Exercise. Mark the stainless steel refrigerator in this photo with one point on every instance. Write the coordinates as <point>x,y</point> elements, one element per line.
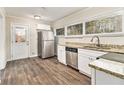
<point>45,44</point>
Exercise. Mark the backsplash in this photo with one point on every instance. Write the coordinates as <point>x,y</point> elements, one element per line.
<point>93,44</point>
<point>103,40</point>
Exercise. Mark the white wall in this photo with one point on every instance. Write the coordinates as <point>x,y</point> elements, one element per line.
<point>84,15</point>
<point>32,31</point>
<point>2,39</point>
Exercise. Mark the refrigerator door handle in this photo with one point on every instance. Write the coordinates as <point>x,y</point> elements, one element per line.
<point>42,49</point>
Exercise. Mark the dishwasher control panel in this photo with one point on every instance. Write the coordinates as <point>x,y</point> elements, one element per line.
<point>72,49</point>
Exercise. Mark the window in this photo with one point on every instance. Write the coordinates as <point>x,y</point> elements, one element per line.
<point>75,29</point>
<point>105,25</point>
<point>20,35</point>
<point>60,31</point>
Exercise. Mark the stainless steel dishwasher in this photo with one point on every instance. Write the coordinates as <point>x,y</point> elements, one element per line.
<point>72,57</point>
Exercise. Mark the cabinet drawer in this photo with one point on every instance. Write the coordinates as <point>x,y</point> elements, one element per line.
<point>62,48</point>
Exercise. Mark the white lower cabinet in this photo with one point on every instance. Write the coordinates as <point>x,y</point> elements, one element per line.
<point>102,78</point>
<point>61,54</point>
<point>84,58</point>
<point>83,64</point>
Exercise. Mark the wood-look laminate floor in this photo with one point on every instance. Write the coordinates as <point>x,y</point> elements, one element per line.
<point>35,71</point>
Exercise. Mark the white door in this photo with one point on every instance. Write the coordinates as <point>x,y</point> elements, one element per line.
<point>20,42</point>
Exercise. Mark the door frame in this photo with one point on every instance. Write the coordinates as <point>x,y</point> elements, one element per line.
<point>11,27</point>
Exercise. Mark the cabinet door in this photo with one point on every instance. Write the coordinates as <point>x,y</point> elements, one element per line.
<point>61,54</point>
<point>83,64</point>
<point>103,78</point>
<point>63,57</point>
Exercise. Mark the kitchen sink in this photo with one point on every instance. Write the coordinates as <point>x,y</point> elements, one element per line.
<point>97,47</point>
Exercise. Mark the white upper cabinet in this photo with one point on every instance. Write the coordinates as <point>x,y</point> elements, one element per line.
<point>43,27</point>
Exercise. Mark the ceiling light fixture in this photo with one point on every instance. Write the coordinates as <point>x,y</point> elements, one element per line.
<point>36,17</point>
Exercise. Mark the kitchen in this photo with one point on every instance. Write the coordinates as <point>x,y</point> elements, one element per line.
<point>105,48</point>
<point>86,47</point>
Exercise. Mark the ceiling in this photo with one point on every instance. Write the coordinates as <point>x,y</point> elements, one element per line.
<point>46,13</point>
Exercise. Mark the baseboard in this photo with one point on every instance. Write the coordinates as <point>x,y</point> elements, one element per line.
<point>8,60</point>
<point>33,55</point>
<point>3,65</point>
<point>84,73</point>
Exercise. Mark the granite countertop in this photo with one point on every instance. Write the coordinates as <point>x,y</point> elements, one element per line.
<point>105,48</point>
<point>111,67</point>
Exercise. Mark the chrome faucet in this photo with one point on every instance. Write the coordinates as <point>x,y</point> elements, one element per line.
<point>98,40</point>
